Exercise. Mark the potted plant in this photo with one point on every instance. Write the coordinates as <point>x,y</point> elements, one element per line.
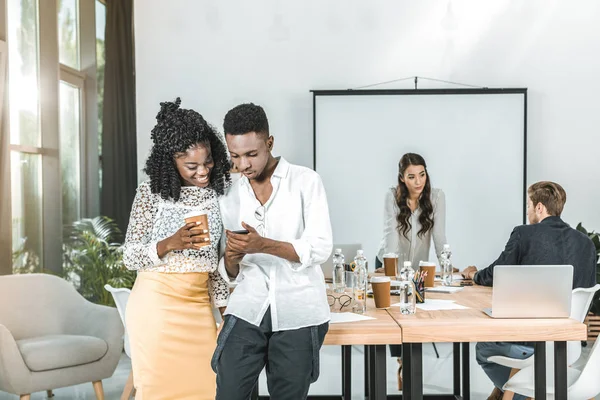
<point>93,257</point>
<point>593,318</point>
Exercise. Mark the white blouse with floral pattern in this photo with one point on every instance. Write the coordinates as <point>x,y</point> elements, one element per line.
<point>154,219</point>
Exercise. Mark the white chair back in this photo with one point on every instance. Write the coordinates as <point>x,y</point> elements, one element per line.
<point>587,386</point>
<point>580,304</point>
<point>121,296</point>
<point>581,301</point>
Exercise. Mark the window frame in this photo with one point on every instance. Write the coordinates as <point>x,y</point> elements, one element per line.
<point>51,72</point>
<point>77,79</point>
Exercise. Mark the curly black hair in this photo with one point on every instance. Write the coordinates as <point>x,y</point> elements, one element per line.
<point>176,131</point>
<point>246,118</point>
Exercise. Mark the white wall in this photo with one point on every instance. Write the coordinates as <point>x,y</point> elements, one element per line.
<point>217,54</point>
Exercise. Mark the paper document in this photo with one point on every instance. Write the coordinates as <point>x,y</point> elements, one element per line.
<point>440,301</point>
<point>444,289</point>
<point>343,317</point>
<point>434,304</point>
<point>437,304</point>
<point>455,277</point>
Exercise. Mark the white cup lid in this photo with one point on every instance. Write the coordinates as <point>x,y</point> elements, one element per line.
<point>380,279</point>
<point>390,255</point>
<point>194,214</point>
<point>426,264</point>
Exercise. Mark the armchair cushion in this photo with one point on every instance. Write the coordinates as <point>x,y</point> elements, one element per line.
<point>60,351</point>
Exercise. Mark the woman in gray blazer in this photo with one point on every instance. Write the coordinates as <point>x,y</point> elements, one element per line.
<point>413,214</point>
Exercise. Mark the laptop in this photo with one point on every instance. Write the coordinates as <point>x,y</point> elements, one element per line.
<point>531,291</point>
<point>349,252</point>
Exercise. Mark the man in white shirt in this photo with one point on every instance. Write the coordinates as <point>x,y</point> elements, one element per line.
<point>278,314</point>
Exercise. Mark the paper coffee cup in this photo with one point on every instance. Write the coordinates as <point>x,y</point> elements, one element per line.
<point>381,291</point>
<point>202,217</point>
<point>429,268</point>
<point>390,264</point>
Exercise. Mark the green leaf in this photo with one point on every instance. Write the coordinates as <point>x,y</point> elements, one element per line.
<point>93,256</point>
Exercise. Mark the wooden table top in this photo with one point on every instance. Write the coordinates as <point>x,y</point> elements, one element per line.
<point>381,330</point>
<point>473,325</point>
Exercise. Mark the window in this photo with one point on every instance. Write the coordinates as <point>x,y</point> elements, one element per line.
<point>26,198</point>
<point>71,128</point>
<point>70,109</point>
<point>25,132</point>
<point>68,33</point>
<point>50,145</point>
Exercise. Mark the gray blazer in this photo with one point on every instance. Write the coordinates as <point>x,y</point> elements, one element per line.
<point>415,248</point>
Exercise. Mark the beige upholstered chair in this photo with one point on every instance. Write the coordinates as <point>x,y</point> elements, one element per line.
<point>51,337</point>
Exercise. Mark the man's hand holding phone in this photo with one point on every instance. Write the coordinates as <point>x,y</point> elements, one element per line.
<point>245,243</point>
<point>235,250</point>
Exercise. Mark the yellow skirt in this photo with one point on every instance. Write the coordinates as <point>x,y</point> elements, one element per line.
<point>172,335</point>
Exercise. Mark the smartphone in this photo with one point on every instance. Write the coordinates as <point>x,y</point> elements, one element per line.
<point>241,232</point>
<point>461,284</point>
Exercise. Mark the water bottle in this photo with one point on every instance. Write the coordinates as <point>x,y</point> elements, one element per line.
<point>339,274</point>
<point>360,283</point>
<point>447,269</point>
<point>407,273</point>
<point>408,300</point>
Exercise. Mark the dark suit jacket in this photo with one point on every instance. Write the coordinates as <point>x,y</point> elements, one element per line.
<point>550,242</point>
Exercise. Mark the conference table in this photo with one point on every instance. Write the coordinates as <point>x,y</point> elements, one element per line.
<point>459,327</point>
<point>472,325</point>
<point>374,334</point>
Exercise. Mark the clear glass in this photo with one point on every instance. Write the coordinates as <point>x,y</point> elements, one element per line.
<point>401,258</point>
<point>349,281</point>
<point>68,33</point>
<point>23,69</point>
<point>350,284</point>
<point>70,163</point>
<point>339,278</point>
<point>446,267</point>
<point>408,300</point>
<point>100,62</point>
<point>360,284</point>
<point>26,198</point>
<point>339,272</point>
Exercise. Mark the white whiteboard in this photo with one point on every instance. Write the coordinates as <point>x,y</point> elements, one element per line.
<point>474,146</point>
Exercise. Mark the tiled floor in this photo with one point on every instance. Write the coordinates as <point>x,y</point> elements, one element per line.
<point>437,374</point>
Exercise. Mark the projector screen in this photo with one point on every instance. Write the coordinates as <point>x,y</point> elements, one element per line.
<point>473,141</point>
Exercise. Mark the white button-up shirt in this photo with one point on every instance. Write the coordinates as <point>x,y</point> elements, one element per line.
<point>297,212</point>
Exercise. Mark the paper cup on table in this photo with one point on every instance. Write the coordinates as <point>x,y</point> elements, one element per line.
<point>381,291</point>
<point>428,268</point>
<point>390,264</point>
<point>202,217</point>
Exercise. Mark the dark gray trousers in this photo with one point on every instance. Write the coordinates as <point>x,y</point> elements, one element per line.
<point>291,359</point>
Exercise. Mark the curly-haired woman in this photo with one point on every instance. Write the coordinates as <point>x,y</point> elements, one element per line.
<point>170,323</point>
<point>414,212</point>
